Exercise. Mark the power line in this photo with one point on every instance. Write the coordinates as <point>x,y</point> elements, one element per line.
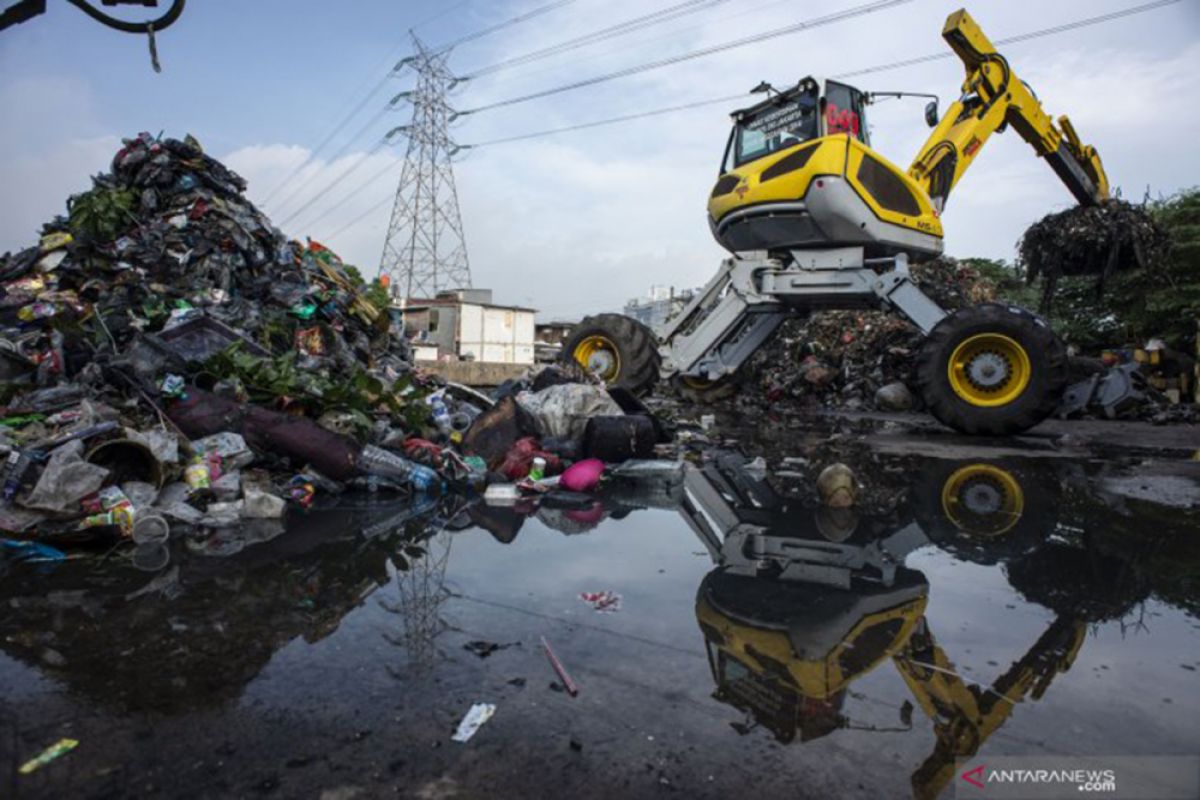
<point>537,134</point>
<point>619,29</point>
<point>353,193</point>
<point>829,19</point>
<point>671,34</point>
<point>375,207</point>
<point>375,89</point>
<point>610,121</point>
<point>362,159</point>
<point>1014,39</point>
<point>1021,37</point>
<point>296,190</point>
<point>353,112</point>
<point>439,14</point>
<point>534,12</point>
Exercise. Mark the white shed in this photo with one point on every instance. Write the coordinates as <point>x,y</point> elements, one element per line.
<point>466,324</point>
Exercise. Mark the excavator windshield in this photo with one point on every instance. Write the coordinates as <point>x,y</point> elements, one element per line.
<point>784,120</point>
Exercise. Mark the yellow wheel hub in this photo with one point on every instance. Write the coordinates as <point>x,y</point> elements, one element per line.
<point>698,384</point>
<point>982,499</point>
<point>989,369</point>
<point>598,355</point>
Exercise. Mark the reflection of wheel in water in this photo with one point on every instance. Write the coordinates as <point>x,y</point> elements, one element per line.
<point>983,500</point>
<point>985,511</point>
<point>700,390</point>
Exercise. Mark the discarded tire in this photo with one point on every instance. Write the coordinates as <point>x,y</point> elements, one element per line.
<point>992,369</point>
<point>620,350</point>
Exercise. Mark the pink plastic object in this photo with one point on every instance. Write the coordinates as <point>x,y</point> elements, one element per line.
<point>582,476</point>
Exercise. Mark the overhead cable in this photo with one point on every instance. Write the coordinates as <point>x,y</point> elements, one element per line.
<point>619,29</point>
<point>829,19</point>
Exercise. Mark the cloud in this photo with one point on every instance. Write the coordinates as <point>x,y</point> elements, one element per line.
<point>322,198</point>
<point>51,148</point>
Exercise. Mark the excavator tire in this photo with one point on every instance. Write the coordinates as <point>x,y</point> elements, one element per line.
<point>992,370</point>
<point>699,390</point>
<point>618,349</point>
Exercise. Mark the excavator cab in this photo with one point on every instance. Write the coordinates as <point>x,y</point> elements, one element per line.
<point>799,174</point>
<point>792,117</point>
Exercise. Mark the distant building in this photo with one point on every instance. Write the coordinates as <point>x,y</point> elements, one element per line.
<point>659,305</point>
<point>464,324</point>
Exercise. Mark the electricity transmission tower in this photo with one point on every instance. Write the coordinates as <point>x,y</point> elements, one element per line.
<point>425,250</point>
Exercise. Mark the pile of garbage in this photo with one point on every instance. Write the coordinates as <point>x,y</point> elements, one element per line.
<point>1097,240</point>
<point>859,359</point>
<point>173,367</point>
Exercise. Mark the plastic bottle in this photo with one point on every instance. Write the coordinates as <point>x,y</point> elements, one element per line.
<point>377,461</point>
<point>537,469</point>
<point>441,414</point>
<point>19,462</point>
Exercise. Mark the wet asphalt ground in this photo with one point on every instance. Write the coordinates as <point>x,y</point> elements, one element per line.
<point>1008,598</point>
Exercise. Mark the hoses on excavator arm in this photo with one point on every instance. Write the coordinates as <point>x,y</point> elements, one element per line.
<point>125,26</point>
<point>28,9</point>
<point>992,98</point>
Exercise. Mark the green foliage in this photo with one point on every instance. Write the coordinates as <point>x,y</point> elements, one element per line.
<point>378,295</point>
<point>354,274</point>
<point>375,292</point>
<point>1162,300</point>
<point>269,380</point>
<point>1010,286</point>
<point>101,214</point>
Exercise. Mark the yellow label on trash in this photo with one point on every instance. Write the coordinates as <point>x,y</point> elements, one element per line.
<point>55,241</point>
<point>196,476</point>
<point>123,516</point>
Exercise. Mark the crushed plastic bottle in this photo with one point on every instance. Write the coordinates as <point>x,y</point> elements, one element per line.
<point>439,411</point>
<point>377,461</point>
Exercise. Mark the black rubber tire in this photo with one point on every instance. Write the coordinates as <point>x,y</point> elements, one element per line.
<point>713,392</point>
<point>635,343</point>
<point>1048,363</point>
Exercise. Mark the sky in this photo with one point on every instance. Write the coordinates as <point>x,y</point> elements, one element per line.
<point>576,222</point>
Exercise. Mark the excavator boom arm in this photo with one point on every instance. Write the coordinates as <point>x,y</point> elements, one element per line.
<point>992,98</point>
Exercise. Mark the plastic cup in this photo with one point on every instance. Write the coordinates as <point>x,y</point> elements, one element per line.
<point>151,528</point>
<point>151,557</point>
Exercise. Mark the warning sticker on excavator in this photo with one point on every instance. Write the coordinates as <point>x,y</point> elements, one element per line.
<point>782,119</point>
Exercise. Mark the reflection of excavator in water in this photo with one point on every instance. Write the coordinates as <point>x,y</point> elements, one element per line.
<point>794,613</point>
<point>816,219</point>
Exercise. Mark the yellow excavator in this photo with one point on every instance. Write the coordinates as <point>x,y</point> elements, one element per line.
<point>816,219</point>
